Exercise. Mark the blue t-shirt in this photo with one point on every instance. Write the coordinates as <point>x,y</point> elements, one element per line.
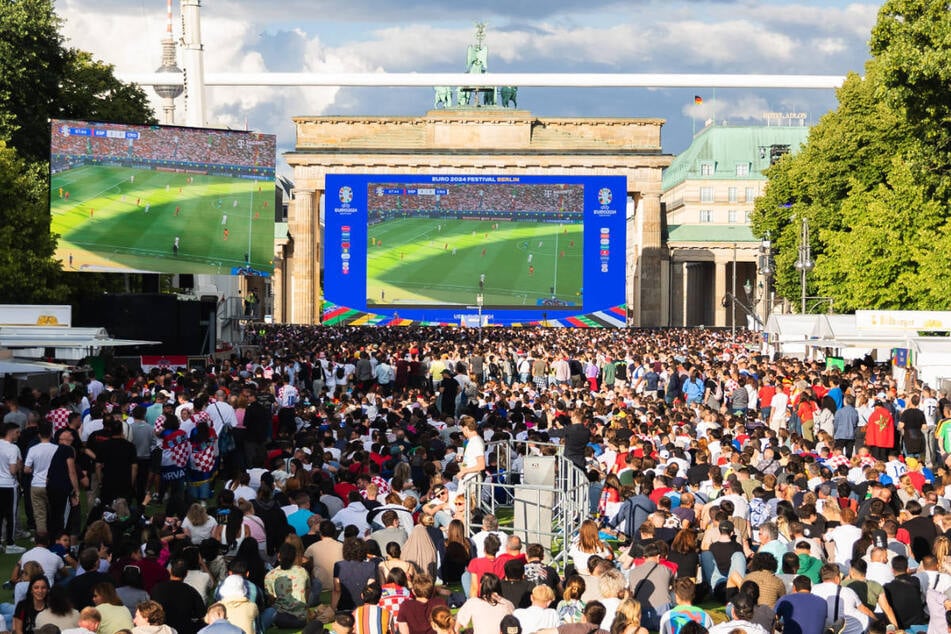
<point>802,613</point>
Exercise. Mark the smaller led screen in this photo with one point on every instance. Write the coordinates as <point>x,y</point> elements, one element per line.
<point>162,199</point>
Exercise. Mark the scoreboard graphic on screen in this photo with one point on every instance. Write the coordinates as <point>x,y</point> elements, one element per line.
<point>436,248</point>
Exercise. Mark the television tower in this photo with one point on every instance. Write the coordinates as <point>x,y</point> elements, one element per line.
<point>193,61</point>
<point>168,92</point>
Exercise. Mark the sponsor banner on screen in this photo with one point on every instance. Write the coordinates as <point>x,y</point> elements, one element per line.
<point>495,250</point>
<point>162,199</point>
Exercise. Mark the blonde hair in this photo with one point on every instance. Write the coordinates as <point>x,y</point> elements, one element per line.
<point>543,593</point>
<point>611,584</point>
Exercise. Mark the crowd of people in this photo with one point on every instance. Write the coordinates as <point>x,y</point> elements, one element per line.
<point>220,147</point>
<point>323,479</point>
<point>478,197</point>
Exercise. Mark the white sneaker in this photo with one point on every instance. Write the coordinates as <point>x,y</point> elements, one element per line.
<point>13,549</point>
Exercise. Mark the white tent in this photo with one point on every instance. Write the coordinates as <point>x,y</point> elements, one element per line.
<point>70,343</point>
<point>788,334</point>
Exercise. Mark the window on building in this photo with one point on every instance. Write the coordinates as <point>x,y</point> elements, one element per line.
<point>731,216</point>
<point>706,215</point>
<point>731,194</point>
<point>742,169</point>
<point>706,168</point>
<point>750,194</point>
<point>706,194</point>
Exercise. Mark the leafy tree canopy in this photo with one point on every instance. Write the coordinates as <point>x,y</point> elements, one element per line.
<point>873,178</point>
<point>41,79</point>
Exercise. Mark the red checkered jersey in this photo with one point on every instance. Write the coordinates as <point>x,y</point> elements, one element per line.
<point>58,418</point>
<point>176,450</point>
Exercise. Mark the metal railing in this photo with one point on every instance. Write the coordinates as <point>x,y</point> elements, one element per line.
<point>549,513</point>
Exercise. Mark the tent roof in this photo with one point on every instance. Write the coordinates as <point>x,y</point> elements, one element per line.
<point>792,326</point>
<point>62,337</point>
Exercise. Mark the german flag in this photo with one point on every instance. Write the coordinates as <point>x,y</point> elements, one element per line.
<point>697,99</point>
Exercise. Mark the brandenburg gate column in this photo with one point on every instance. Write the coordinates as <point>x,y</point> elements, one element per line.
<point>649,265</point>
<point>719,292</point>
<point>305,273</point>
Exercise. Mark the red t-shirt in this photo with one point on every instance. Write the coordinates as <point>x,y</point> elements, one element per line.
<point>499,568</point>
<point>479,566</point>
<point>657,494</point>
<point>766,394</point>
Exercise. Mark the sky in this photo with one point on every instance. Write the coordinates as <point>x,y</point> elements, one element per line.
<point>822,37</point>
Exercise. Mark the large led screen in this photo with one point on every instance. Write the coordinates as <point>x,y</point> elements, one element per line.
<point>162,199</point>
<point>432,248</point>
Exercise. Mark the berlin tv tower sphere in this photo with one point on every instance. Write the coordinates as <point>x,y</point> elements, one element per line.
<point>169,91</point>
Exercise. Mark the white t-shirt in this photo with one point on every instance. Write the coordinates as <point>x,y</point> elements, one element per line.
<point>855,621</point>
<point>9,455</point>
<point>844,537</point>
<point>475,448</point>
<point>534,618</point>
<point>199,533</point>
<point>38,458</point>
<point>50,562</point>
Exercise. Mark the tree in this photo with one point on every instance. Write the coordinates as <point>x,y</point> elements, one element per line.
<point>28,273</point>
<point>32,64</point>
<point>41,80</point>
<point>872,185</point>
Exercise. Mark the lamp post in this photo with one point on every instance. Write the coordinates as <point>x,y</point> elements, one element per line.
<point>766,270</point>
<point>804,262</point>
<point>480,300</point>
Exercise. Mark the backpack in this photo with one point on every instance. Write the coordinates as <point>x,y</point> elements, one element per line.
<point>340,372</point>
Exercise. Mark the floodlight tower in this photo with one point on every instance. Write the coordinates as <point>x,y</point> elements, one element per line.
<point>193,62</point>
<point>168,92</point>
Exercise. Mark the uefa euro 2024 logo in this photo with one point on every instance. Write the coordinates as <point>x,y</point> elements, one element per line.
<point>604,196</point>
<point>345,194</point>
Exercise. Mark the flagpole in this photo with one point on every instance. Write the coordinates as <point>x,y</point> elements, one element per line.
<point>714,117</point>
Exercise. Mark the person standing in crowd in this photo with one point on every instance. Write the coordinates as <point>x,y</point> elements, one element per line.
<point>10,463</point>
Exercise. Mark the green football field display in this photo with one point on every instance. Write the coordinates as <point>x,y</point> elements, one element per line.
<point>431,261</point>
<point>199,209</point>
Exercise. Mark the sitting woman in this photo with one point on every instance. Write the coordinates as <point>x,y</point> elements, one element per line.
<point>485,611</point>
<point>288,588</point>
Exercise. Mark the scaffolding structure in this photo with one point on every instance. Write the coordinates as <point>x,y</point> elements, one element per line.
<point>548,513</point>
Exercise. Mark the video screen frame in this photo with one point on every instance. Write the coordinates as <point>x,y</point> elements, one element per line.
<point>428,248</point>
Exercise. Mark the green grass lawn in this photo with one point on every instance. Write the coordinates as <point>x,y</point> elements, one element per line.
<point>427,261</point>
<point>104,226</point>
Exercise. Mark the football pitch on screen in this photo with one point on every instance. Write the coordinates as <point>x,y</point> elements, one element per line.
<point>118,219</point>
<point>432,261</point>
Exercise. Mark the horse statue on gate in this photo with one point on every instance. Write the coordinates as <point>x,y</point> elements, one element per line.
<point>508,95</point>
<point>443,97</point>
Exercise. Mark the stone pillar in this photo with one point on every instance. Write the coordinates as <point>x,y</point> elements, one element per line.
<point>685,298</point>
<point>719,292</point>
<point>648,222</point>
<point>277,287</point>
<point>301,226</point>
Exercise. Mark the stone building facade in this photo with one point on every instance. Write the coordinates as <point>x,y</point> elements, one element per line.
<point>475,141</point>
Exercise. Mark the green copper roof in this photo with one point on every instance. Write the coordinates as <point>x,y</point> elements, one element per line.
<point>723,147</point>
<point>710,233</point>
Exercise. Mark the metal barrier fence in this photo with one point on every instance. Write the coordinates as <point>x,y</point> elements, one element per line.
<point>547,497</point>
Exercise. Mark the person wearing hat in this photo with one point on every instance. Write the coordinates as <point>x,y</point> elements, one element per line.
<point>241,611</point>
<point>724,557</point>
